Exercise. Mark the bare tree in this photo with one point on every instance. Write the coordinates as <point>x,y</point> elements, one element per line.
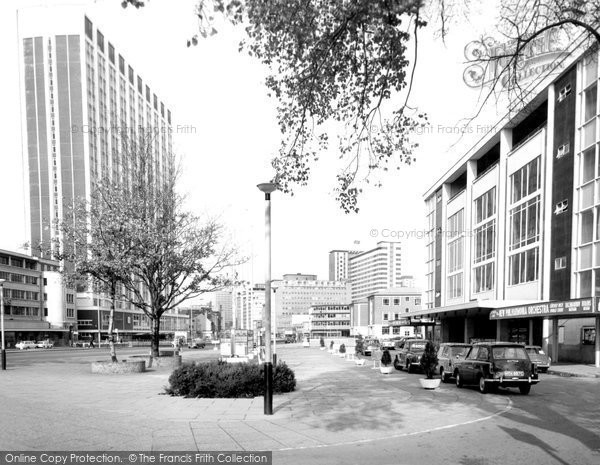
<point>135,241</point>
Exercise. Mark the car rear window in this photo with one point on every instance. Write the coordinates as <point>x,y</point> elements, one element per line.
<point>506,353</point>
<point>532,350</point>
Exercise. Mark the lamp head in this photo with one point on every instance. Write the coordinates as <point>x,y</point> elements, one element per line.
<point>267,187</point>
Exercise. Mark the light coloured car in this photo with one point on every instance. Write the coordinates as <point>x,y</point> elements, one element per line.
<point>44,344</point>
<point>23,345</point>
<point>537,356</point>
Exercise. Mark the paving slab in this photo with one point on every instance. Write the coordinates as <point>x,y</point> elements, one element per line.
<point>336,403</point>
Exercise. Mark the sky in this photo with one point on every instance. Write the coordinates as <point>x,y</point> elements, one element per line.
<point>226,134</point>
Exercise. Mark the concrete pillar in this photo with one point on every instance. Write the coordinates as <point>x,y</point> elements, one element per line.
<point>468,329</point>
<point>597,357</point>
<point>546,335</point>
<point>502,221</point>
<point>554,340</point>
<point>547,205</point>
<point>530,335</point>
<point>468,236</point>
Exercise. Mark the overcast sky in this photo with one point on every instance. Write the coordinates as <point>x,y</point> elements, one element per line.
<point>228,134</point>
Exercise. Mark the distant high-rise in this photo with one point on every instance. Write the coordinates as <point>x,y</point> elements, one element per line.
<point>339,264</point>
<point>223,305</point>
<point>368,271</point>
<point>376,269</point>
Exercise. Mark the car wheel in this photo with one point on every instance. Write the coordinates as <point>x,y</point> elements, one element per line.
<point>443,375</point>
<point>525,388</point>
<point>397,365</point>
<point>459,381</point>
<point>409,367</point>
<point>482,385</point>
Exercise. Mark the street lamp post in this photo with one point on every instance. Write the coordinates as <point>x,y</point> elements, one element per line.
<point>2,281</point>
<point>268,188</point>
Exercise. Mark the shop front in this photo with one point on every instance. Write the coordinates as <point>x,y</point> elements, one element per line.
<point>567,330</point>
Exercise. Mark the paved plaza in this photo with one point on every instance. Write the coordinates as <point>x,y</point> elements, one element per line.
<point>62,406</point>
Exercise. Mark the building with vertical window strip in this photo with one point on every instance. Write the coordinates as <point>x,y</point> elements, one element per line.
<point>513,243</point>
<point>83,104</point>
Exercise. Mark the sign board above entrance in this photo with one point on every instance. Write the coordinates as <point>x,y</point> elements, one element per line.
<point>569,308</point>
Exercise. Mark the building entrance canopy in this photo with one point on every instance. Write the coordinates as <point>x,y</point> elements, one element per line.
<point>574,308</point>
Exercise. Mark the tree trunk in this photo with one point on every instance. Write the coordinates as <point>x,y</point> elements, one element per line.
<point>155,336</point>
<point>111,322</point>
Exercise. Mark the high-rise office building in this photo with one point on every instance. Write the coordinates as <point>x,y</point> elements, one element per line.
<point>339,264</point>
<point>82,103</point>
<point>376,269</point>
<point>223,305</point>
<point>84,106</point>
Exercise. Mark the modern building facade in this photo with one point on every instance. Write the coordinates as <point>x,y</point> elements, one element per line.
<point>223,305</point>
<point>329,321</point>
<point>339,264</point>
<point>83,105</point>
<point>249,305</point>
<point>37,305</point>
<point>376,269</point>
<point>87,116</point>
<point>513,249</point>
<point>388,313</point>
<point>295,294</point>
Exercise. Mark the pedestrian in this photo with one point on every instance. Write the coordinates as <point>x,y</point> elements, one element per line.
<point>91,344</point>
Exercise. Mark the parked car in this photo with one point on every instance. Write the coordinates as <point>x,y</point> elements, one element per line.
<point>491,365</point>
<point>46,344</point>
<point>390,343</point>
<point>196,344</point>
<point>448,354</point>
<point>409,354</point>
<point>25,345</point>
<point>537,356</point>
<point>370,346</point>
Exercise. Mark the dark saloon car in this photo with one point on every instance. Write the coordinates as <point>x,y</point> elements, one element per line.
<point>448,354</point>
<point>196,344</point>
<point>490,365</point>
<point>537,356</point>
<point>409,354</point>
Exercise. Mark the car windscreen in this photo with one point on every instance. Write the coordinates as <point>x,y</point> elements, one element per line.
<point>509,353</point>
<point>460,351</point>
<point>418,346</point>
<point>532,350</point>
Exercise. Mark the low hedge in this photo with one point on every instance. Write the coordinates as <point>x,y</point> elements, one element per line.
<point>220,379</point>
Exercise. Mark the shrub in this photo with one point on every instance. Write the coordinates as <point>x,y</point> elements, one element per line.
<point>343,349</point>
<point>386,358</point>
<point>359,349</point>
<point>220,379</point>
<point>322,342</point>
<point>429,360</point>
